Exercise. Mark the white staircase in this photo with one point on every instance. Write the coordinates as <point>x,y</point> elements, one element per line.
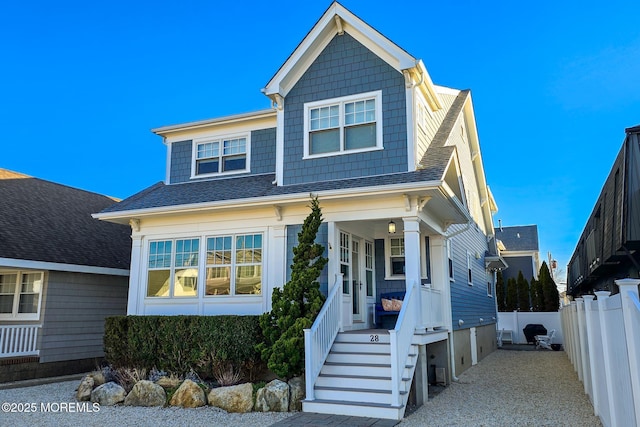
<point>356,377</point>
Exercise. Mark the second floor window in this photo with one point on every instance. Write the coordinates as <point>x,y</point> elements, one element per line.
<point>343,125</point>
<point>219,156</point>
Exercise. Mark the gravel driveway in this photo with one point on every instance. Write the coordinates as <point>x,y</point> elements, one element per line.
<point>507,388</point>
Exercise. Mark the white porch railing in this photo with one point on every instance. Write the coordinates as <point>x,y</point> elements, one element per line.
<point>432,308</point>
<point>602,340</point>
<point>19,340</point>
<point>319,339</point>
<point>401,338</point>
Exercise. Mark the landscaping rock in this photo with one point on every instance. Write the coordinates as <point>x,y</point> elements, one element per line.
<point>146,393</point>
<point>98,378</point>
<point>168,382</point>
<point>83,394</point>
<point>273,397</point>
<point>296,393</point>
<point>188,395</point>
<point>236,398</point>
<point>108,394</point>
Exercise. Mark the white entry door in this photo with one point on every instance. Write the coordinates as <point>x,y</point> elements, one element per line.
<point>356,266</point>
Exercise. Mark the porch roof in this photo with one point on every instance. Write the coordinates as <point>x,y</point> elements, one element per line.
<point>257,187</point>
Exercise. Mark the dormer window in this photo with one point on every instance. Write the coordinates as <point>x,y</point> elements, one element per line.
<point>344,125</point>
<point>220,155</point>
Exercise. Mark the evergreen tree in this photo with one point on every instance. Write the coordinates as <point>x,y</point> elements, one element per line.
<point>524,293</point>
<point>500,291</point>
<point>549,289</point>
<point>537,297</point>
<point>296,305</point>
<point>511,302</point>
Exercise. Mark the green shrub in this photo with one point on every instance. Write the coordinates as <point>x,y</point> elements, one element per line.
<point>177,344</point>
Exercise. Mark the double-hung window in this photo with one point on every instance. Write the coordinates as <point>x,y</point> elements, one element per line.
<point>221,155</point>
<point>234,265</point>
<point>20,294</point>
<point>343,125</point>
<point>173,268</point>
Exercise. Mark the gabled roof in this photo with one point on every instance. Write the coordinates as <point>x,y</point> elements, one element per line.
<point>518,238</point>
<point>335,21</point>
<point>47,222</point>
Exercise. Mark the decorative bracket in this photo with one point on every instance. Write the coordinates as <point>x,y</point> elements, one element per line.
<point>422,202</point>
<point>277,102</point>
<point>407,202</point>
<point>339,24</point>
<point>135,224</point>
<point>278,211</point>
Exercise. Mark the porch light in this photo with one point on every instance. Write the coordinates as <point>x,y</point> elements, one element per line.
<point>392,227</point>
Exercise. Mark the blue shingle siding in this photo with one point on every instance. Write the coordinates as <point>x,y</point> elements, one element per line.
<point>180,170</point>
<point>263,151</point>
<point>346,67</point>
<point>470,303</point>
<point>263,156</point>
<point>322,238</point>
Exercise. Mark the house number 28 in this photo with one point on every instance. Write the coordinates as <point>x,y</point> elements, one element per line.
<point>374,338</point>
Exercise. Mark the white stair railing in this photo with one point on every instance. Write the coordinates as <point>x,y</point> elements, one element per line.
<point>19,340</point>
<point>401,337</point>
<point>319,339</point>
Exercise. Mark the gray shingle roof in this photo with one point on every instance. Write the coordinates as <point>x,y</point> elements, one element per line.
<point>518,238</point>
<point>49,222</point>
<point>256,186</point>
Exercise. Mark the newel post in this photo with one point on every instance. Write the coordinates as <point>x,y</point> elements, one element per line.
<point>631,314</point>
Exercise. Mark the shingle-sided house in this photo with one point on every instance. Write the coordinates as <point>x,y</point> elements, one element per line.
<point>609,247</point>
<point>519,248</point>
<point>395,162</point>
<point>61,273</point>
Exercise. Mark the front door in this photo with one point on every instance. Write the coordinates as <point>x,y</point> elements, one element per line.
<point>356,266</point>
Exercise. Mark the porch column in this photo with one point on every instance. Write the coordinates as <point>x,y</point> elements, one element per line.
<point>135,282</point>
<point>277,256</point>
<point>440,275</point>
<point>411,250</point>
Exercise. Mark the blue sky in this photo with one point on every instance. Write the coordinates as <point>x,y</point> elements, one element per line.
<point>554,84</point>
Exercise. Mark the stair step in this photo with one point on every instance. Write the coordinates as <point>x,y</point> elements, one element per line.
<point>355,357</point>
<point>371,337</point>
<point>358,347</point>
<point>360,382</point>
<point>372,410</point>
<point>355,394</point>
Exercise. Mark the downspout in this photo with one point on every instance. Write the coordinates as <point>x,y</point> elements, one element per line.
<point>276,104</point>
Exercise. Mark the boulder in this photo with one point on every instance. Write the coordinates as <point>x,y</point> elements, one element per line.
<point>146,393</point>
<point>273,397</point>
<point>108,394</point>
<point>168,382</point>
<point>98,378</point>
<point>85,388</point>
<point>236,398</point>
<point>296,393</point>
<point>188,395</point>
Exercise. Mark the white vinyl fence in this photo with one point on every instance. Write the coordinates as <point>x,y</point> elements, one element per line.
<point>514,322</point>
<point>602,340</point>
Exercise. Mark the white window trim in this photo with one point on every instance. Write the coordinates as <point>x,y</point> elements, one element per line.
<point>469,269</point>
<point>14,315</point>
<point>220,138</point>
<point>387,259</point>
<point>202,266</point>
<point>172,268</point>
<point>377,95</point>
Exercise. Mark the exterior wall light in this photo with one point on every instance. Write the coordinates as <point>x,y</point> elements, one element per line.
<point>392,227</point>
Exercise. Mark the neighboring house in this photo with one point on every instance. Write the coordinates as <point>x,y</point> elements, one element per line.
<point>61,273</point>
<point>518,246</point>
<point>609,247</point>
<point>395,162</point>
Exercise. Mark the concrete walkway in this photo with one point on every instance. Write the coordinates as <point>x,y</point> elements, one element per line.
<point>507,388</point>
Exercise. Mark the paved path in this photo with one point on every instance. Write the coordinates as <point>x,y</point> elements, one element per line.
<point>507,388</point>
